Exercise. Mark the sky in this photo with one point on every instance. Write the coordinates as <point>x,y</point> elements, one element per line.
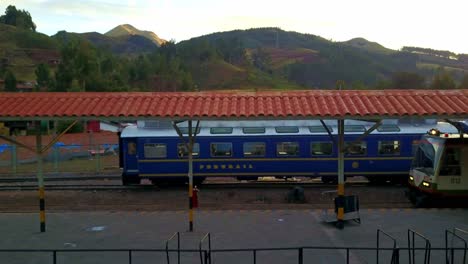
<point>432,24</point>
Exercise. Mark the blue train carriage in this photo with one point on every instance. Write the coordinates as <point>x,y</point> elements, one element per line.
<point>280,148</point>
<point>440,167</point>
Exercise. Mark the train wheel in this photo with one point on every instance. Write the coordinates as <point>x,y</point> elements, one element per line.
<point>377,180</point>
<point>198,181</point>
<point>399,180</point>
<point>331,179</point>
<point>126,180</point>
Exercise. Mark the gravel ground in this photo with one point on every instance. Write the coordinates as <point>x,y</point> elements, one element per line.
<point>175,198</point>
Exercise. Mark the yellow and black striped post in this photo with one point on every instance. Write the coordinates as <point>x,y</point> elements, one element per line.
<point>40,175</point>
<point>341,191</point>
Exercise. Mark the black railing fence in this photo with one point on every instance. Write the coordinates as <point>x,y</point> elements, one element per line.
<point>206,255</point>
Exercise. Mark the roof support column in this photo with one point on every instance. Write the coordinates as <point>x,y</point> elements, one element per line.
<point>40,176</point>
<point>190,175</point>
<point>189,145</point>
<point>341,182</point>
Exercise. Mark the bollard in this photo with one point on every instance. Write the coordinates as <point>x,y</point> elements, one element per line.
<point>195,197</point>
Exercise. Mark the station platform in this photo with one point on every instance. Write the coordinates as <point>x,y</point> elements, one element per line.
<point>229,229</point>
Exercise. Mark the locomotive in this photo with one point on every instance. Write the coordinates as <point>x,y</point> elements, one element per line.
<point>440,166</point>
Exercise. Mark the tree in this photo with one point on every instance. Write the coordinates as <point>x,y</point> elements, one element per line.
<point>407,80</point>
<point>464,82</point>
<point>262,60</point>
<point>42,76</point>
<point>63,78</point>
<point>79,62</point>
<point>443,80</point>
<point>382,84</point>
<point>10,82</point>
<point>19,18</point>
<point>358,85</point>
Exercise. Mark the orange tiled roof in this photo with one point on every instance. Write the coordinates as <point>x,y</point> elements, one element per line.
<point>290,104</point>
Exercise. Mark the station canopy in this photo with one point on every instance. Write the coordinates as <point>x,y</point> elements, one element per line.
<point>305,104</point>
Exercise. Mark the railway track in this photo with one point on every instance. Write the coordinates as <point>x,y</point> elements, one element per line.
<point>114,183</point>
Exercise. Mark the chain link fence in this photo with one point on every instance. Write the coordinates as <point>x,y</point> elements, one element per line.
<point>74,153</point>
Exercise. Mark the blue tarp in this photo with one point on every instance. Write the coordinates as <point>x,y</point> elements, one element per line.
<point>4,147</point>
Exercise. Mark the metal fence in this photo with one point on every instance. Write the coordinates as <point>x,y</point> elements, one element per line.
<point>204,254</point>
<point>60,158</point>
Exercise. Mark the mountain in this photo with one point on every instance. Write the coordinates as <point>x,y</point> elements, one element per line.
<point>128,30</point>
<point>258,58</point>
<point>362,43</point>
<point>129,44</point>
<point>311,61</point>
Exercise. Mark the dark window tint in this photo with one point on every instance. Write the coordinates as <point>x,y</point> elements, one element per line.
<point>254,149</point>
<point>356,148</point>
<point>319,129</point>
<point>354,128</point>
<point>287,129</point>
<point>253,130</point>
<point>221,130</point>
<point>221,149</point>
<point>321,148</point>
<point>287,149</point>
<point>182,151</point>
<point>389,147</point>
<point>155,150</point>
<point>388,128</point>
<point>185,130</point>
<point>451,163</point>
<point>131,148</point>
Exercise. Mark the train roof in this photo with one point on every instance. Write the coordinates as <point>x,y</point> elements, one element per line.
<point>281,127</point>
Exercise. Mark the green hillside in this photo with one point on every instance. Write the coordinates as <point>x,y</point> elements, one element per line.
<point>311,61</point>
<point>254,59</point>
<point>21,50</point>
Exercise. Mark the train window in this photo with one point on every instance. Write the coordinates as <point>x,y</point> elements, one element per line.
<point>131,148</point>
<point>424,157</point>
<point>354,128</point>
<point>321,148</point>
<point>221,130</point>
<point>287,129</point>
<point>182,151</point>
<point>389,147</point>
<point>253,130</point>
<point>254,149</point>
<point>356,148</point>
<point>319,129</point>
<point>221,149</point>
<point>388,128</point>
<point>450,165</point>
<point>185,130</point>
<point>155,150</point>
<point>287,149</point>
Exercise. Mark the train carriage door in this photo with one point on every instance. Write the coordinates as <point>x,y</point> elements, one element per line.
<point>131,160</point>
<point>453,173</point>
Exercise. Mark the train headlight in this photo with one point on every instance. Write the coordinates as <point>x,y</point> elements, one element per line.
<point>411,178</point>
<point>434,132</point>
<point>426,184</point>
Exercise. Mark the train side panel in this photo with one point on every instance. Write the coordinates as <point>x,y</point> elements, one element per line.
<point>304,163</point>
